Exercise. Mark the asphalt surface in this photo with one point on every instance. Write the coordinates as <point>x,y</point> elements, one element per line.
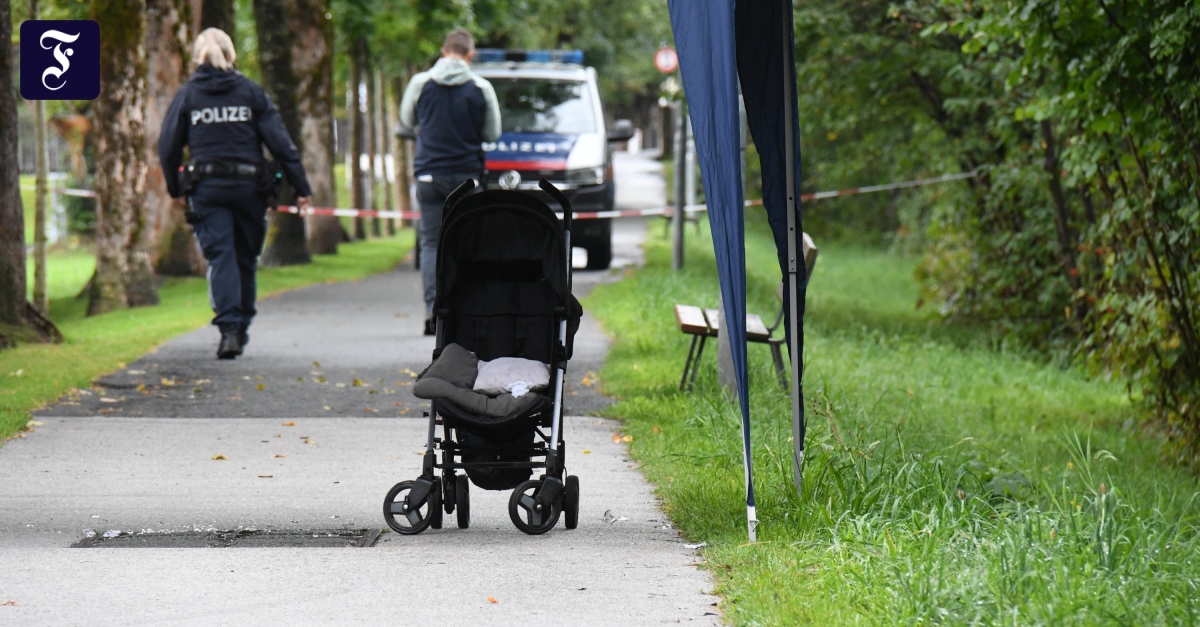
<point>302,437</point>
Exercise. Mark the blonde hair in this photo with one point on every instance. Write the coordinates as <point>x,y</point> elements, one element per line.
<point>214,46</point>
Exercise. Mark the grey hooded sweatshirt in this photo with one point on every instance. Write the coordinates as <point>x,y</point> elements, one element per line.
<point>454,111</point>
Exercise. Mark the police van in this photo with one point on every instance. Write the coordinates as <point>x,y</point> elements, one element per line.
<point>554,127</point>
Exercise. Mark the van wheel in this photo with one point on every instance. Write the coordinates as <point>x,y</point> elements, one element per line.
<point>599,255</point>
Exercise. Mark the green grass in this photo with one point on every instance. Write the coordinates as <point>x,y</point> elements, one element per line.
<point>32,375</point>
<point>949,479</point>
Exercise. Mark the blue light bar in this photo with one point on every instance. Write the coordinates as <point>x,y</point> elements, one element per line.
<point>497,55</point>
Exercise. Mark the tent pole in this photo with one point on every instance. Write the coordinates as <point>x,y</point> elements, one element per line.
<point>789,86</point>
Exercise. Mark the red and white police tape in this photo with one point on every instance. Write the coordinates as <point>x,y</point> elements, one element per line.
<point>586,215</point>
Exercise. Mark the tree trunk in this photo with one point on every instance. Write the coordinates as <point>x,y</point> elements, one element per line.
<point>312,65</point>
<point>384,144</point>
<point>218,14</point>
<point>275,20</point>
<point>40,299</point>
<point>373,147</point>
<point>175,252</point>
<point>124,277</point>
<point>1062,224</point>
<point>358,135</point>
<point>12,213</point>
<point>403,180</point>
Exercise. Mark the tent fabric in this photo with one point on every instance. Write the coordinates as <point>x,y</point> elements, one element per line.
<point>721,44</point>
<point>705,44</point>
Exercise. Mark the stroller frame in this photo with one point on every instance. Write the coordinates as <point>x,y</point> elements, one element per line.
<point>535,505</point>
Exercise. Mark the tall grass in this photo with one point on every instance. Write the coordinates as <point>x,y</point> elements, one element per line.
<point>950,478</point>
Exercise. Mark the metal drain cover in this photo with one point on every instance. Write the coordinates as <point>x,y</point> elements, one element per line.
<point>241,538</point>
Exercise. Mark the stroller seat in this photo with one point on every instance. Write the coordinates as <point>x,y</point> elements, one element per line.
<point>503,290</point>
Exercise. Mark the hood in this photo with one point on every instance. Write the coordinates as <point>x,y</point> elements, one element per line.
<point>450,72</point>
<point>210,80</point>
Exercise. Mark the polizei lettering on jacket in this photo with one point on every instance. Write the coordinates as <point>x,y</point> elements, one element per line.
<point>209,115</point>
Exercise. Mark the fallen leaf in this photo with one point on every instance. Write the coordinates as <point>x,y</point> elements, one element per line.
<point>307,441</point>
<point>373,411</point>
<point>12,603</point>
<point>627,438</point>
<point>616,437</point>
<point>341,385</point>
<point>328,408</point>
<point>372,391</point>
<point>316,364</point>
<point>266,476</point>
<point>235,397</point>
<point>260,387</point>
<point>491,600</point>
<point>34,423</point>
<point>587,451</point>
<point>357,383</point>
<point>290,423</point>
<point>218,457</point>
<point>278,456</point>
<point>167,382</point>
<point>656,429</point>
<point>105,399</point>
<point>404,383</point>
<point>135,371</point>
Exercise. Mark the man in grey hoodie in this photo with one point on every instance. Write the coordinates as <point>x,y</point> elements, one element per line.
<point>455,112</point>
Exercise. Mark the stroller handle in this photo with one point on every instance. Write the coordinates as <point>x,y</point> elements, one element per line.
<point>560,198</point>
<point>457,195</point>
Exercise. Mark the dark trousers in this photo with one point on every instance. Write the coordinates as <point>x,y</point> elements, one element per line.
<point>431,195</point>
<point>229,219</point>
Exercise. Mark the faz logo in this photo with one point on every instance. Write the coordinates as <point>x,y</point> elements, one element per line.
<point>60,60</point>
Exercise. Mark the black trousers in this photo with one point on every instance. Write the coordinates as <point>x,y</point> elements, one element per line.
<point>229,219</point>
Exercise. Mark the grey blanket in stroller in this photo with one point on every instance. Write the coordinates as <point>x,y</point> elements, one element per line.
<point>452,376</point>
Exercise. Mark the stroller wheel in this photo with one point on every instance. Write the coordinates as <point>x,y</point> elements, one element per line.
<point>571,502</point>
<point>435,505</point>
<point>462,495</point>
<point>527,513</point>
<point>403,516</point>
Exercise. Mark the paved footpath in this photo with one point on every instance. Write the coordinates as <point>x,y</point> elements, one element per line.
<point>311,427</point>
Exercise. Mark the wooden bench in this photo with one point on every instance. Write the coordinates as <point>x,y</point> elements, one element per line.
<point>702,324</point>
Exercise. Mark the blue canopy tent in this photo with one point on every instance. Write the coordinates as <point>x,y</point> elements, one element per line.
<point>720,44</point>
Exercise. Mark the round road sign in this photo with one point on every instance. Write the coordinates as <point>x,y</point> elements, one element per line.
<point>666,60</point>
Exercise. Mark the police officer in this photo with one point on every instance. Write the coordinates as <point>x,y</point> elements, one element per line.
<point>224,118</point>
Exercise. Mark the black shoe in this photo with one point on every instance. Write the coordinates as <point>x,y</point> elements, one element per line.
<point>243,338</point>
<point>430,327</point>
<point>230,346</point>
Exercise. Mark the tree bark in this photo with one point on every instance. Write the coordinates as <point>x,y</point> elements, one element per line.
<point>373,147</point>
<point>275,20</point>
<point>175,252</point>
<point>40,299</point>
<point>384,144</point>
<point>12,212</point>
<point>124,277</point>
<point>358,135</point>
<point>312,65</point>
<point>1062,223</point>
<point>218,14</point>
<point>403,180</point>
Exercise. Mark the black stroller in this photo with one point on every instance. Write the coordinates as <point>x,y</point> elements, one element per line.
<point>503,290</point>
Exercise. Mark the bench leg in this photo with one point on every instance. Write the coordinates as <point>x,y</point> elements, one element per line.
<point>696,364</point>
<point>777,355</point>
<point>687,366</point>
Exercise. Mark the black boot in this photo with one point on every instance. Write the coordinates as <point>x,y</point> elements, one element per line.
<point>243,337</point>
<point>430,326</point>
<point>230,346</point>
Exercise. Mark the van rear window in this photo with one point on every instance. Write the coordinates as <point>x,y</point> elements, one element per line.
<point>545,106</point>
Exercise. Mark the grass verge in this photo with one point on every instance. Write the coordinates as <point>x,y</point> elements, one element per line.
<point>949,479</point>
<point>32,375</point>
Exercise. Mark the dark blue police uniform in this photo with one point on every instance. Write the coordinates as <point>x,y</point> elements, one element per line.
<point>224,119</point>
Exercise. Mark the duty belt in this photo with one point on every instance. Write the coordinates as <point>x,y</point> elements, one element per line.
<point>240,170</point>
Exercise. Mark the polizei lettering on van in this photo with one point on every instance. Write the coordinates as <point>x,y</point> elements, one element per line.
<point>209,115</point>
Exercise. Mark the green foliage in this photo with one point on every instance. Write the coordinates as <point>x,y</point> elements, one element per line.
<point>949,480</point>
<point>1081,234</point>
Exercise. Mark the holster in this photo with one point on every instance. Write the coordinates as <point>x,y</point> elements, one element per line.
<point>187,180</point>
<point>270,182</point>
